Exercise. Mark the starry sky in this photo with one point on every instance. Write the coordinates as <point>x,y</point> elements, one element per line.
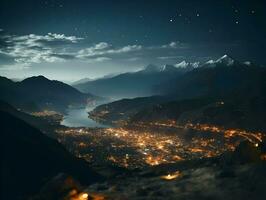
<point>73,39</point>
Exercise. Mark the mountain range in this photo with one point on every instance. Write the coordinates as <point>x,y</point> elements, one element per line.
<point>39,93</point>
<point>216,78</point>
<point>148,81</point>
<point>132,84</point>
<point>222,92</point>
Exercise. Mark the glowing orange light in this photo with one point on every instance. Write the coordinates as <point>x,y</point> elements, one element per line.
<point>171,176</point>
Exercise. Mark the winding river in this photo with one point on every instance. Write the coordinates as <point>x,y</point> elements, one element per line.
<point>78,117</point>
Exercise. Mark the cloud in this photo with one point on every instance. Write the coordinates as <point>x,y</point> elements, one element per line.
<point>103,48</point>
<point>27,50</point>
<point>170,57</point>
<point>101,45</point>
<point>98,59</point>
<point>14,67</point>
<point>132,59</point>
<point>33,39</point>
<point>175,45</point>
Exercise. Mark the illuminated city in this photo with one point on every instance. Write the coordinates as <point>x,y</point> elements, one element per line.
<point>132,100</point>
<point>152,144</point>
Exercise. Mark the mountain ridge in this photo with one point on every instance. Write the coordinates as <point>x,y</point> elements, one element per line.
<point>38,93</point>
<point>242,87</point>
<point>132,84</point>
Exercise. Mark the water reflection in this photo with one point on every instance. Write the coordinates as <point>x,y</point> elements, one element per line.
<point>78,117</point>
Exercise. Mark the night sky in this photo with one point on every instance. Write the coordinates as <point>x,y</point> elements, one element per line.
<point>73,39</point>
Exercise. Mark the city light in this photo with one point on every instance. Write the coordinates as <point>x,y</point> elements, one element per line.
<point>172,176</point>
<point>152,144</point>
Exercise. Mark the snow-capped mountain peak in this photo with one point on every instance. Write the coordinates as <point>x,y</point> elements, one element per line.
<point>152,68</point>
<point>168,68</point>
<point>185,64</point>
<point>248,63</point>
<point>227,60</point>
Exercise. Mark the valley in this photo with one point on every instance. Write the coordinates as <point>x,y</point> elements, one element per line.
<point>132,100</point>
<point>136,145</point>
<point>144,145</point>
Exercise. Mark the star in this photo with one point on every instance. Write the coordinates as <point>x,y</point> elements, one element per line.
<point>171,20</point>
<point>253,11</point>
<point>198,14</point>
<point>237,22</point>
<point>187,20</point>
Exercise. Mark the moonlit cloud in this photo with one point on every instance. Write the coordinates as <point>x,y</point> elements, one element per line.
<point>39,39</point>
<point>28,49</point>
<point>170,57</point>
<point>132,59</point>
<point>25,51</point>
<point>106,49</point>
<point>175,45</point>
<point>14,67</point>
<point>101,45</point>
<point>98,59</point>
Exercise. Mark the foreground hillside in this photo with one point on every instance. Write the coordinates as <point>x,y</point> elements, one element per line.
<point>236,175</point>
<point>29,159</point>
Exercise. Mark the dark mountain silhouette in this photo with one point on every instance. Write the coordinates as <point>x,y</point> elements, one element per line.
<point>37,93</point>
<point>123,109</point>
<point>226,92</point>
<point>217,78</point>
<point>245,112</point>
<point>29,159</point>
<point>80,81</point>
<point>46,125</point>
<point>134,84</point>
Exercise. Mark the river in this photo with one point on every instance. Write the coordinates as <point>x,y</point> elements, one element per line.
<point>78,117</point>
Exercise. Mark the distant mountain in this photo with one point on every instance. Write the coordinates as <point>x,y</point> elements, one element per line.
<point>124,109</point>
<point>29,159</point>
<point>223,61</point>
<point>244,112</point>
<point>196,95</point>
<point>217,78</point>
<point>134,84</point>
<point>187,65</point>
<point>83,80</point>
<point>38,92</point>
